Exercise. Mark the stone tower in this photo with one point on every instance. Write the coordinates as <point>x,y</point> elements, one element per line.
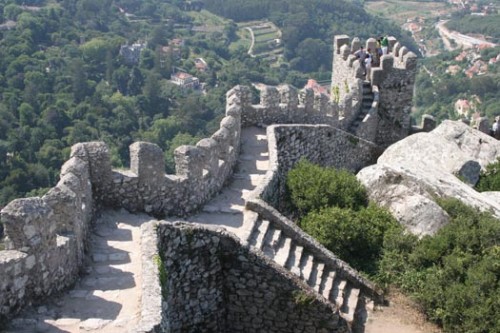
<point>382,99</point>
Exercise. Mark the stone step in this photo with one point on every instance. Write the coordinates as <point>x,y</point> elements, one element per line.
<point>328,285</point>
<point>261,233</point>
<point>348,308</point>
<point>284,251</point>
<point>306,266</point>
<point>108,282</point>
<point>318,276</point>
<point>250,219</point>
<point>271,237</point>
<point>276,239</point>
<point>338,292</point>
<point>293,261</point>
<point>110,257</point>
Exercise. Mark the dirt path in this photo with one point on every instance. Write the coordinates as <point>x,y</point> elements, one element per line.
<point>400,317</point>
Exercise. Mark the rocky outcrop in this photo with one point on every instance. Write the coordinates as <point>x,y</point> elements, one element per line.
<point>443,163</point>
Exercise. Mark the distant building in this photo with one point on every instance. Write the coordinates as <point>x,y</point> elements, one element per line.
<point>453,69</point>
<point>478,68</point>
<point>185,80</point>
<point>200,64</point>
<point>316,87</point>
<point>467,108</point>
<point>463,108</point>
<point>462,56</point>
<point>174,48</point>
<point>132,53</point>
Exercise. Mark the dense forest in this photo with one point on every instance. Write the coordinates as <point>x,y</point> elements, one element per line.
<point>63,80</point>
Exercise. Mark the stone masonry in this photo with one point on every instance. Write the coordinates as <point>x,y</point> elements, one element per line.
<point>214,284</point>
<point>393,80</point>
<point>47,236</point>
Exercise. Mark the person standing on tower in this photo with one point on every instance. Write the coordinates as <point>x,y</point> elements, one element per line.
<point>385,45</point>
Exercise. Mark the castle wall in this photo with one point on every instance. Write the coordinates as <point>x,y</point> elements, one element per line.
<point>287,105</point>
<point>215,284</point>
<point>46,238</point>
<point>320,144</point>
<point>394,79</point>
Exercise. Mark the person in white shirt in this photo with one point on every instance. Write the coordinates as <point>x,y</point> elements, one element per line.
<point>368,64</point>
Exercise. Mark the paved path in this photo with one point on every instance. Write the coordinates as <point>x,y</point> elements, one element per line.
<point>228,208</point>
<point>106,299</point>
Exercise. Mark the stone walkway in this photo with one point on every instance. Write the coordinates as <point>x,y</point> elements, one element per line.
<point>228,208</point>
<point>107,298</point>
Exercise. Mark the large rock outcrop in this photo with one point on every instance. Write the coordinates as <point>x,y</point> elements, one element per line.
<point>446,162</point>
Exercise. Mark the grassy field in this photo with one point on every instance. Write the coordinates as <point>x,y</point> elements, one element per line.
<point>400,10</point>
<point>206,18</point>
<point>264,32</point>
<point>244,40</point>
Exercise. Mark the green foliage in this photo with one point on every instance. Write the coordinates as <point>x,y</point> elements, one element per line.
<point>489,180</point>
<point>312,187</point>
<point>454,275</point>
<point>302,299</point>
<point>355,236</point>
<point>485,25</point>
<point>335,211</point>
<point>163,275</point>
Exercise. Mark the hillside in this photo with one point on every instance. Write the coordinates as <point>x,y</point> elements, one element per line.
<point>470,75</point>
<point>307,27</point>
<point>69,73</point>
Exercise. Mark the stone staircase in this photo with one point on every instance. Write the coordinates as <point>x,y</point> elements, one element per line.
<point>330,282</point>
<point>366,105</point>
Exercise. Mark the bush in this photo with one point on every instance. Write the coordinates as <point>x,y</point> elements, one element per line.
<point>312,187</point>
<point>354,236</point>
<point>490,179</point>
<point>454,275</point>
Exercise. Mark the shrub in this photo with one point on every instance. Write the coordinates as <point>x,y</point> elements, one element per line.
<point>489,180</point>
<point>312,187</point>
<point>355,236</point>
<point>455,274</point>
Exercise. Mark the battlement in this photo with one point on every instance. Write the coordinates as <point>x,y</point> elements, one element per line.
<point>286,104</point>
<point>393,79</point>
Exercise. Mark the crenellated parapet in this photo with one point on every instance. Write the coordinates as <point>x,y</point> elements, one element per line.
<point>394,78</point>
<point>46,236</point>
<point>286,104</point>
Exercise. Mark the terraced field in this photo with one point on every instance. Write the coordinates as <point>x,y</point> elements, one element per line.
<point>265,40</point>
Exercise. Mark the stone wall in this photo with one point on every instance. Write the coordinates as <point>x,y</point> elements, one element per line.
<point>286,104</point>
<point>201,170</point>
<point>320,144</point>
<point>215,284</point>
<point>394,79</point>
<point>46,238</point>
